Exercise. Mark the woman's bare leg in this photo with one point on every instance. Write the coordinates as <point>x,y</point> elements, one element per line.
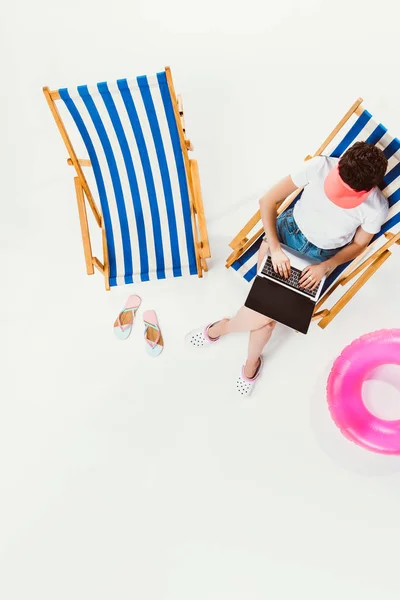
<point>259,326</point>
<point>245,319</point>
<point>258,340</point>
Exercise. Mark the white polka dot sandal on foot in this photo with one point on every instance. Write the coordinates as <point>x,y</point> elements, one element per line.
<point>199,338</point>
<point>245,385</point>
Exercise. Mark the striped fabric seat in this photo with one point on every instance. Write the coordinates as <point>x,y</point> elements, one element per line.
<point>358,128</point>
<point>130,133</point>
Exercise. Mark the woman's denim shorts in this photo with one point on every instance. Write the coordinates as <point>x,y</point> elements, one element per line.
<point>290,235</point>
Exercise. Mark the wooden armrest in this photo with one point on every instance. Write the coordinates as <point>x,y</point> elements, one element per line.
<point>84,162</point>
<point>243,233</point>
<point>389,235</point>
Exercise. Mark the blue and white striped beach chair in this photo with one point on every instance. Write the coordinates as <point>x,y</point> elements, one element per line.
<point>151,214</point>
<point>356,125</point>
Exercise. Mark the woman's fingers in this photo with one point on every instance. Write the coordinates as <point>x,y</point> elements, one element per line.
<point>309,284</point>
<point>282,268</point>
<point>308,280</point>
<point>304,277</point>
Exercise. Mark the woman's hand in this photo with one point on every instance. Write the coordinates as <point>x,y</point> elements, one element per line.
<point>312,275</point>
<point>280,262</point>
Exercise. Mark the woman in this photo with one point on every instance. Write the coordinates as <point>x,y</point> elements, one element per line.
<point>340,210</point>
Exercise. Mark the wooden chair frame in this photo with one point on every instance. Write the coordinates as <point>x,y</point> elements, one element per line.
<point>364,269</point>
<point>83,192</point>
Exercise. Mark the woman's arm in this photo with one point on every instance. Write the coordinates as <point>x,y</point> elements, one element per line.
<point>269,204</point>
<point>317,272</point>
<point>359,244</point>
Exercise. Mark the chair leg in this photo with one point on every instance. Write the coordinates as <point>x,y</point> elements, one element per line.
<point>199,209</point>
<point>199,261</point>
<point>105,258</point>
<point>87,247</point>
<point>204,265</point>
<point>347,296</point>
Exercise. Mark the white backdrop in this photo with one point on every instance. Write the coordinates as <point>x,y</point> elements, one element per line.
<point>125,478</point>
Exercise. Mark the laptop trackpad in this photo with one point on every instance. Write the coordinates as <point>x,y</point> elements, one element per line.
<point>281,304</point>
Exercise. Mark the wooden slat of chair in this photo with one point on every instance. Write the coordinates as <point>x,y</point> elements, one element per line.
<point>243,233</point>
<point>84,162</point>
<point>99,265</point>
<point>286,203</point>
<point>188,143</point>
<point>347,274</point>
<point>199,209</point>
<point>87,246</point>
<point>357,285</point>
<point>327,294</point>
<point>389,235</point>
<point>320,314</point>
<point>347,271</point>
<point>394,239</point>
<point>237,253</point>
<point>204,264</point>
<point>232,255</point>
<point>105,257</point>
<point>91,261</point>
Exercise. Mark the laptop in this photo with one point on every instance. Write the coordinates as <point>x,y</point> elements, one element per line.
<point>283,299</point>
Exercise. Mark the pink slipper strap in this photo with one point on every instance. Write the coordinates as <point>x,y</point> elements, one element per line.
<point>153,326</point>
<point>124,327</point>
<point>256,376</point>
<point>205,333</point>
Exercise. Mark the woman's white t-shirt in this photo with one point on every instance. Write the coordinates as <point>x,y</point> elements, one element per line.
<point>323,223</point>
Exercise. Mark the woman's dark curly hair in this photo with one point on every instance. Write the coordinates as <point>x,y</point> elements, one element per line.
<point>362,166</point>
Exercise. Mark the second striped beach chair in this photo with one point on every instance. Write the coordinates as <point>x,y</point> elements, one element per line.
<point>146,195</point>
<point>357,124</point>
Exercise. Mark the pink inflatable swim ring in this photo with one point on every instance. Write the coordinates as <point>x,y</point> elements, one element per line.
<point>345,382</point>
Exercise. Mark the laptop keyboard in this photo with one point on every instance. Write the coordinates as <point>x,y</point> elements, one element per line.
<point>292,281</point>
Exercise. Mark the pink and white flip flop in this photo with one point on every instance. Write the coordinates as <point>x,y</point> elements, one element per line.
<point>152,334</point>
<point>125,319</point>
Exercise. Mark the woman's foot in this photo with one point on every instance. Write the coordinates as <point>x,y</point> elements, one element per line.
<point>245,384</point>
<point>218,329</point>
<point>199,338</point>
<point>251,367</point>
